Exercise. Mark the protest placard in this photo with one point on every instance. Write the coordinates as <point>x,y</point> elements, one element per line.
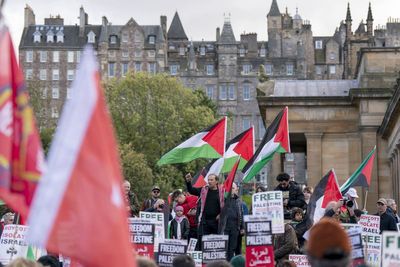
<point>13,242</point>
<point>299,260</point>
<point>357,248</point>
<point>398,227</point>
<point>168,249</point>
<point>373,245</point>
<point>259,249</point>
<point>390,249</point>
<point>270,204</point>
<point>142,235</point>
<point>158,217</point>
<point>192,244</point>
<point>197,256</point>
<point>348,226</point>
<point>214,248</point>
<point>370,224</point>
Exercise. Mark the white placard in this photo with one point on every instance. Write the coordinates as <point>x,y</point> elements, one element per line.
<point>270,204</point>
<point>370,224</point>
<point>373,245</point>
<point>398,227</point>
<point>192,244</point>
<point>299,260</point>
<point>390,249</point>
<point>13,243</point>
<point>158,219</point>
<point>197,256</point>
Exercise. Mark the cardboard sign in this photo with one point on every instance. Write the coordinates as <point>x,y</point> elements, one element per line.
<point>357,248</point>
<point>259,249</point>
<point>370,224</point>
<point>373,245</point>
<point>142,235</point>
<point>299,260</point>
<point>168,250</point>
<point>390,249</point>
<point>13,243</point>
<point>197,256</point>
<point>270,204</point>
<point>158,218</point>
<point>214,248</point>
<point>192,244</point>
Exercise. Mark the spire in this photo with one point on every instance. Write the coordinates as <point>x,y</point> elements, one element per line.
<point>176,30</point>
<point>274,11</point>
<point>369,16</point>
<point>227,36</point>
<point>348,15</point>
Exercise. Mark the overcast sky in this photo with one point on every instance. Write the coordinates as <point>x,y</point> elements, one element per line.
<point>200,18</point>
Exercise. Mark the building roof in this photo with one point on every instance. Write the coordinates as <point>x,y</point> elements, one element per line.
<point>176,30</point>
<point>318,88</point>
<point>274,10</point>
<point>227,36</point>
<point>369,16</point>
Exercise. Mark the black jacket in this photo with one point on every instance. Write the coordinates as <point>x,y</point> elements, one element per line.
<point>231,215</point>
<point>185,227</point>
<point>296,196</point>
<point>388,223</point>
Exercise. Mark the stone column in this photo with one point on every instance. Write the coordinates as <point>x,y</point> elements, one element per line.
<point>314,158</point>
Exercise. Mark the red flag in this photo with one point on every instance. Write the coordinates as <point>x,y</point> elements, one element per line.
<point>231,177</point>
<point>79,209</point>
<point>21,154</point>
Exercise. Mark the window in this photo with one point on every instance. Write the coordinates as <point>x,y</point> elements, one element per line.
<point>43,74</point>
<point>36,37</point>
<point>210,91</point>
<point>111,69</point>
<point>223,92</point>
<point>70,56</point>
<point>91,37</point>
<point>332,56</point>
<point>318,70</point>
<point>318,44</point>
<point>78,56</point>
<point>43,56</point>
<point>261,128</point>
<point>44,93</point>
<point>138,66</point>
<point>231,92</point>
<point>289,69</point>
<point>202,51</point>
<point>332,69</point>
<point>113,39</point>
<point>151,53</point>
<point>29,56</point>
<point>210,69</point>
<point>245,123</point>
<point>181,51</point>
<point>125,54</point>
<point>124,68</point>
<point>111,53</point>
<point>125,37</point>
<point>60,37</point>
<point>268,69</point>
<point>262,52</point>
<point>56,56</point>
<point>173,69</point>
<point>151,67</point>
<point>69,93</point>
<point>241,52</point>
<point>56,75</point>
<point>50,37</point>
<point>28,74</point>
<point>54,112</point>
<point>246,91</point>
<point>138,53</point>
<point>55,93</point>
<point>70,75</point>
<point>152,39</point>
<point>246,69</point>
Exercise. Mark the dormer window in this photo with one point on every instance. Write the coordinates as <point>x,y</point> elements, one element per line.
<point>50,37</point>
<point>152,39</point>
<point>36,37</point>
<point>181,51</point>
<point>60,37</point>
<point>202,50</point>
<point>113,39</point>
<point>318,44</point>
<point>241,52</point>
<point>262,52</point>
<point>91,37</point>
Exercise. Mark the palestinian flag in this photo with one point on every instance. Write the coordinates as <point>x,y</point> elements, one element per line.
<point>242,144</point>
<point>327,190</point>
<point>275,140</point>
<point>229,180</point>
<point>362,176</point>
<point>214,167</point>
<point>209,143</point>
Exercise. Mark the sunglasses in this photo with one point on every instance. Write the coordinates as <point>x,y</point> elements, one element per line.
<point>156,192</point>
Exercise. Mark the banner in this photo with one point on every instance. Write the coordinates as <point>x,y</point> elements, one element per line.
<point>214,248</point>
<point>192,244</point>
<point>159,234</point>
<point>197,256</point>
<point>299,260</point>
<point>390,249</point>
<point>13,243</point>
<point>168,250</point>
<point>357,249</point>
<point>270,204</point>
<point>370,224</point>
<point>142,235</point>
<point>259,249</point>
<point>373,245</point>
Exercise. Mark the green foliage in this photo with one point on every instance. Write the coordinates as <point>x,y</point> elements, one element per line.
<point>46,135</point>
<point>153,114</point>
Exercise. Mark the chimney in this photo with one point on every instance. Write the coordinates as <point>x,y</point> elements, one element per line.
<point>83,21</point>
<point>218,33</point>
<point>163,23</point>
<point>29,18</point>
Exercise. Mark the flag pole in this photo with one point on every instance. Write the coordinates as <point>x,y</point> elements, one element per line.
<point>365,200</point>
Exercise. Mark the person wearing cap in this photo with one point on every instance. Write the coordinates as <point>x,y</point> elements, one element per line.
<point>292,194</point>
<point>155,195</point>
<point>348,203</point>
<point>179,228</point>
<point>328,245</point>
<point>388,223</point>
